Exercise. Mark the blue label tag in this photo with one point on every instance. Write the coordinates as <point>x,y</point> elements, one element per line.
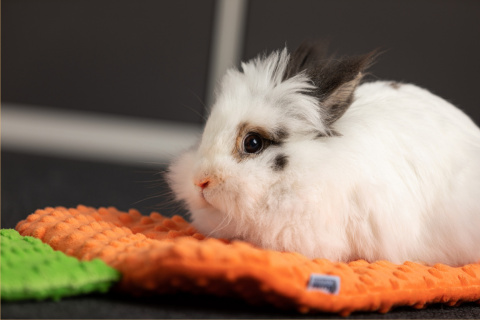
<point>325,283</point>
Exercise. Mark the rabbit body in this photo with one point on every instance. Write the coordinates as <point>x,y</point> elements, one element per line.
<point>392,174</point>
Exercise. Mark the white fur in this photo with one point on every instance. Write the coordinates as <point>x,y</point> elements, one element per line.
<point>402,182</point>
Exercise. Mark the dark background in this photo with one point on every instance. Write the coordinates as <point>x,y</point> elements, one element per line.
<point>434,44</point>
<point>150,59</point>
<point>144,58</point>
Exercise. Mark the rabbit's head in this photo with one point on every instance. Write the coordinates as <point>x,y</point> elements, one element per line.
<point>250,175</point>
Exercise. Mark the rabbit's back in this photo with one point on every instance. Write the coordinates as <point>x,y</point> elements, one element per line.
<point>415,159</point>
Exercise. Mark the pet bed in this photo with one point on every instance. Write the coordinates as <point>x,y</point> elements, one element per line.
<point>156,254</point>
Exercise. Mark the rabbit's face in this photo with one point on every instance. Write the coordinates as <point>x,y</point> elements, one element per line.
<point>242,170</point>
<point>249,171</point>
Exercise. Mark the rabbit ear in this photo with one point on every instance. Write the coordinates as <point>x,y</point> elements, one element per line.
<point>306,57</point>
<point>335,79</point>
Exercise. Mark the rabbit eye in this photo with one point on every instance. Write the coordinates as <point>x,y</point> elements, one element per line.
<point>253,143</point>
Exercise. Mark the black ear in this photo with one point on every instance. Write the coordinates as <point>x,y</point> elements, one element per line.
<point>335,78</point>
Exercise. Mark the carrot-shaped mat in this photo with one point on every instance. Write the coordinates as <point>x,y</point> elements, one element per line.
<point>31,269</point>
<point>156,254</point>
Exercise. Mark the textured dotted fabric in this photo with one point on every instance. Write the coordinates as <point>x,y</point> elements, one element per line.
<point>31,269</point>
<point>156,254</point>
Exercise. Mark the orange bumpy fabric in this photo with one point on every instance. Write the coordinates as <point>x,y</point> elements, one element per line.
<point>156,254</point>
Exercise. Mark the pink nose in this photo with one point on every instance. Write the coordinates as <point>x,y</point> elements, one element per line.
<point>203,183</point>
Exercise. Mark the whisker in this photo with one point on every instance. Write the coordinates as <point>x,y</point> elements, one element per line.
<point>160,164</point>
<point>145,199</point>
<point>201,103</point>
<point>222,224</point>
<point>174,208</point>
<point>148,181</point>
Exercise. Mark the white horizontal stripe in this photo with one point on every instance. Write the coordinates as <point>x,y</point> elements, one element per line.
<point>94,136</point>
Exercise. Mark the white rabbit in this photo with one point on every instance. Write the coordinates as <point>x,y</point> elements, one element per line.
<point>297,156</point>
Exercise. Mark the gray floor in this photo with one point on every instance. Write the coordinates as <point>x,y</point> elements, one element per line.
<point>30,182</point>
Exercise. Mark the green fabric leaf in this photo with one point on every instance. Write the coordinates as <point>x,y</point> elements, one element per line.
<point>31,269</point>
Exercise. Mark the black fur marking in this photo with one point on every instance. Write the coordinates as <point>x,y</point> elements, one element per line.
<point>280,162</point>
<point>279,136</point>
<point>305,57</point>
<point>395,85</point>
<point>335,78</point>
<point>331,133</point>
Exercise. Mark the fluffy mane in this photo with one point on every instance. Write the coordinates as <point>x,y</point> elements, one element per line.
<point>307,86</point>
<point>263,78</point>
